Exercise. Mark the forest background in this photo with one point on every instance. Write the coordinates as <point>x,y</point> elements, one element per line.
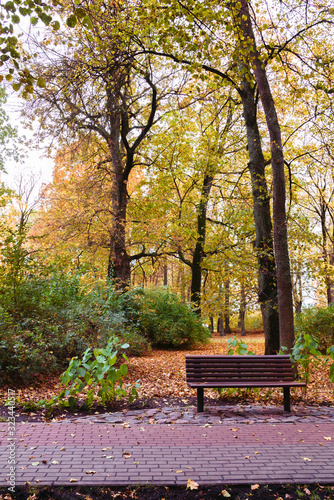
<point>193,148</point>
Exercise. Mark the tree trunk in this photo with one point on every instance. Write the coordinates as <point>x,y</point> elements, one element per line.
<point>220,325</point>
<point>119,263</point>
<point>242,311</point>
<point>327,256</point>
<point>196,266</point>
<point>227,327</point>
<point>263,245</point>
<point>284,283</point>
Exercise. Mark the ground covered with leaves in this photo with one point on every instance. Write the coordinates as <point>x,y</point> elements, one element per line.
<point>162,379</point>
<point>242,492</point>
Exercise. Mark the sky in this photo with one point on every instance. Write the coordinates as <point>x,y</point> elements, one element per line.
<point>35,163</point>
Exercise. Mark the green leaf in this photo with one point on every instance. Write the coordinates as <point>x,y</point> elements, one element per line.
<point>331,374</point>
<point>80,13</point>
<point>71,21</point>
<point>41,83</point>
<point>55,25</point>
<point>87,22</point>
<point>123,370</point>
<point>72,401</point>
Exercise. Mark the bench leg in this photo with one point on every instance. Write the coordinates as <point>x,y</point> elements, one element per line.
<point>200,399</point>
<point>286,392</point>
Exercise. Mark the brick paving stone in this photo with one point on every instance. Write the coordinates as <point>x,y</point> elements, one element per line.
<point>215,454</point>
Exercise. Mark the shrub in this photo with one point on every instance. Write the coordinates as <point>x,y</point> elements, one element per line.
<point>167,322</point>
<point>97,371</point>
<point>319,324</point>
<point>137,344</point>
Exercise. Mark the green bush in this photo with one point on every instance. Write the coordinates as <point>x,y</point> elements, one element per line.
<point>97,370</point>
<point>319,324</point>
<point>167,322</point>
<point>137,344</point>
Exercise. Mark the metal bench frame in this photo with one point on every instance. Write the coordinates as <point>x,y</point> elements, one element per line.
<point>240,371</point>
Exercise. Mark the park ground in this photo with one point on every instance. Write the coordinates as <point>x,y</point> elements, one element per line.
<point>162,380</point>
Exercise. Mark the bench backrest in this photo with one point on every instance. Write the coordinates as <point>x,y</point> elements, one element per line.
<point>211,369</point>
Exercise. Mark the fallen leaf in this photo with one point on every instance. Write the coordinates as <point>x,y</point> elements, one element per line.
<point>55,462</point>
<point>328,438</point>
<point>126,454</point>
<point>226,494</point>
<point>307,491</point>
<point>247,456</point>
<point>73,480</point>
<point>35,463</point>
<point>63,448</point>
<point>179,471</point>
<point>255,486</point>
<point>307,459</point>
<point>91,471</point>
<point>192,485</point>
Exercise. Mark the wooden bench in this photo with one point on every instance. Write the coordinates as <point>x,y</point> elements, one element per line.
<point>240,371</point>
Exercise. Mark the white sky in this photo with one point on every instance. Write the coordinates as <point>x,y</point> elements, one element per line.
<point>35,163</point>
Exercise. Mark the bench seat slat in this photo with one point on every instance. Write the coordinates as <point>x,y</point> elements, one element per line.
<point>218,383</point>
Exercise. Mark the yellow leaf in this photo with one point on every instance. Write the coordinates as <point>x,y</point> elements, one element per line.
<point>328,438</point>
<point>192,485</point>
<point>255,486</point>
<point>226,494</point>
<point>73,480</point>
<point>307,459</point>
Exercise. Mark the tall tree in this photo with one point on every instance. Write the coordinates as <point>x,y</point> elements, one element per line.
<point>109,99</point>
<point>284,283</point>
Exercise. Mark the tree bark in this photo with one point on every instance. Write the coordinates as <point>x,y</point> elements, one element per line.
<point>196,266</point>
<point>263,245</point>
<point>227,327</point>
<point>284,283</point>
<point>242,311</point>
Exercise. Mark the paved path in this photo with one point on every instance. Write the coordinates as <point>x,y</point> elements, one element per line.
<point>104,453</point>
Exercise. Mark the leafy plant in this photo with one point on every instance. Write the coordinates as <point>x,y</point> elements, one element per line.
<point>97,370</point>
<point>319,324</point>
<point>237,346</point>
<point>304,351</point>
<point>166,321</point>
